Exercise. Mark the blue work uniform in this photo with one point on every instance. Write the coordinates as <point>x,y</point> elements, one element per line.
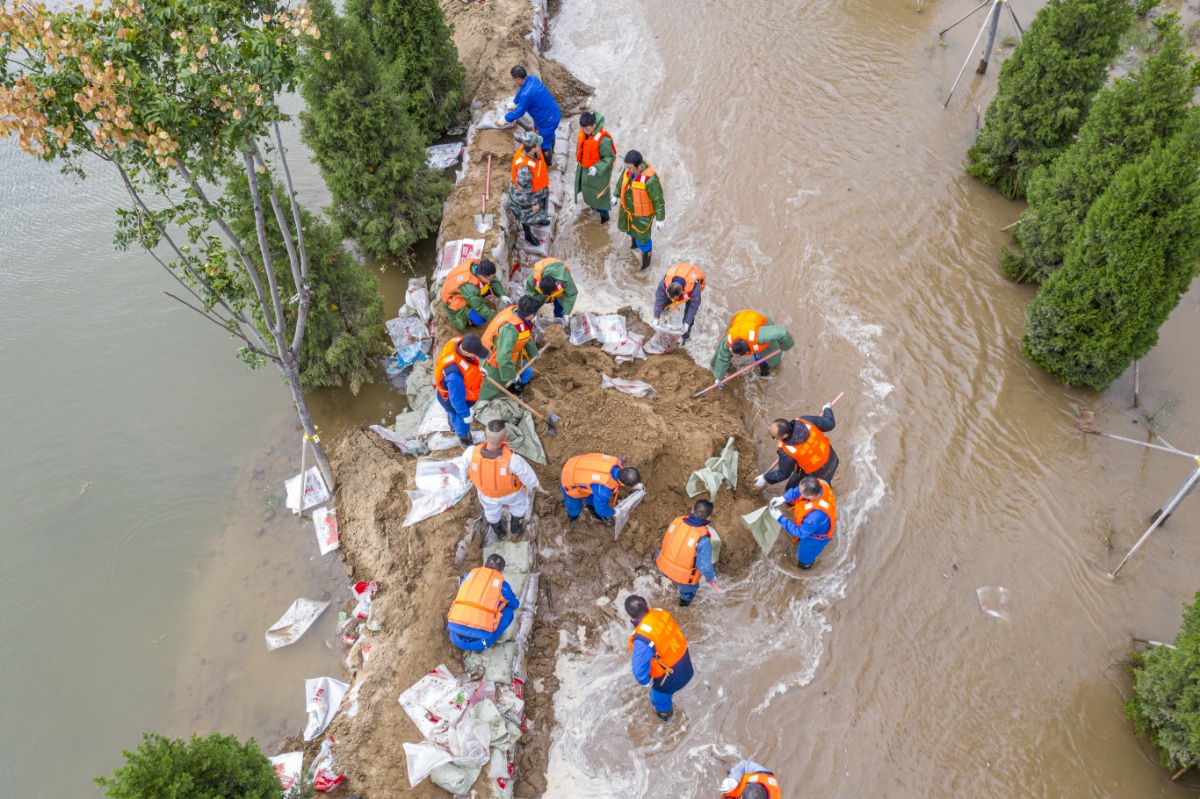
<point>534,98</point>
<point>600,499</point>
<point>457,405</point>
<point>662,689</point>
<point>704,563</point>
<point>473,639</point>
<point>661,301</point>
<point>814,533</point>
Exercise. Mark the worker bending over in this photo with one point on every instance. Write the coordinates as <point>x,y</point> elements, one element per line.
<point>529,192</point>
<point>503,479</point>
<point>682,286</point>
<point>535,99</point>
<point>483,608</point>
<point>659,651</point>
<point>750,333</point>
<point>814,510</point>
<point>595,152</point>
<point>749,780</point>
<point>509,339</point>
<point>641,199</point>
<point>803,449</point>
<point>551,281</point>
<point>594,480</point>
<point>464,289</point>
<point>458,378</point>
<point>686,553</point>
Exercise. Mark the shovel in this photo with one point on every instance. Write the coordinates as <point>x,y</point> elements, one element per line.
<point>742,371</point>
<point>483,220</point>
<point>551,421</point>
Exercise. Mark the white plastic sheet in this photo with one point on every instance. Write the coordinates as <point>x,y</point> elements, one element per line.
<point>993,599</point>
<point>406,330</point>
<point>434,420</point>
<point>326,526</point>
<point>635,387</point>
<point>434,700</point>
<point>405,445</point>
<point>441,441</point>
<point>294,622</point>
<point>416,298</point>
<point>626,507</point>
<point>287,768</point>
<point>443,156</point>
<point>423,758</point>
<point>323,698</point>
<point>315,491</point>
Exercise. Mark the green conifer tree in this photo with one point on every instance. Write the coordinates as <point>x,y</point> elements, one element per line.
<point>1126,269</point>
<point>369,150</point>
<point>1046,88</point>
<point>1127,118</point>
<point>412,36</point>
<point>216,767</point>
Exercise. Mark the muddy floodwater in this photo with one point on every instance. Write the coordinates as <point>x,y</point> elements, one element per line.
<point>810,169</point>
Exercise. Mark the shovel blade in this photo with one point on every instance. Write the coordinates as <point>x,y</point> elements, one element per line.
<point>552,424</point>
<point>484,223</point>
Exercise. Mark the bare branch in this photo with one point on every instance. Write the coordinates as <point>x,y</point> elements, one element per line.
<point>260,225</point>
<point>297,276</point>
<point>302,317</point>
<point>231,330</point>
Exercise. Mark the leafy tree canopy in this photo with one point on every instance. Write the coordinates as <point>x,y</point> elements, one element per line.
<point>216,767</point>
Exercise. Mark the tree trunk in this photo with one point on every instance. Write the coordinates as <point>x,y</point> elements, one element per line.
<point>291,371</point>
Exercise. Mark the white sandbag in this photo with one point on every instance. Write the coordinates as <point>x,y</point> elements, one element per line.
<point>718,470</point>
<point>416,298</point>
<point>364,593</point>
<point>626,349</point>
<point>636,388</point>
<point>434,701</point>
<point>762,526</point>
<point>668,332</point>
<point>423,758</point>
<point>443,156</point>
<point>455,778</point>
<point>435,420</point>
<point>294,622</point>
<point>441,441</point>
<point>287,768</point>
<point>324,769</point>
<point>493,118</point>
<point>608,328</point>
<point>406,330</point>
<point>405,445</point>
<point>315,490</point>
<point>454,253</point>
<point>626,507</point>
<point>323,698</point>
<point>469,741</point>
<point>326,527</point>
<point>440,485</point>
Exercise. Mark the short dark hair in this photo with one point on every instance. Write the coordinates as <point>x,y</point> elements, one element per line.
<point>629,476</point>
<point>587,118</point>
<point>810,485</point>
<point>783,426</point>
<point>740,347</point>
<point>636,606</point>
<point>473,345</point>
<point>547,285</point>
<point>702,509</point>
<point>633,157</point>
<point>528,306</point>
<point>485,268</point>
<point>518,72</point>
<point>754,790</point>
<point>496,425</point>
<point>495,561</point>
<point>674,290</point>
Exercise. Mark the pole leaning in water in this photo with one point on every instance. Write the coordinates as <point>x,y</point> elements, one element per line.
<point>741,371</point>
<point>974,44</point>
<point>994,22</point>
<point>1167,511</point>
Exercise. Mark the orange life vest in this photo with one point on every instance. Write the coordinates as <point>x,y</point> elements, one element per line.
<point>669,644</point>
<point>691,277</point>
<point>472,375</point>
<point>506,317</point>
<point>539,267</point>
<point>458,277</point>
<point>825,502</point>
<point>813,453</point>
<point>642,204</point>
<point>587,148</point>
<point>541,176</point>
<point>764,778</point>
<point>580,472</point>
<point>677,557</point>
<point>745,325</point>
<point>479,600</point>
<point>492,475</point>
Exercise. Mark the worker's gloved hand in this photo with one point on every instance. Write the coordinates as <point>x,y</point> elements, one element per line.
<point>511,105</point>
<point>467,418</point>
<point>506,301</point>
<point>658,224</point>
<point>777,502</point>
<point>760,481</point>
<point>592,171</point>
<point>686,335</point>
<point>825,407</point>
<point>776,513</point>
<point>728,784</point>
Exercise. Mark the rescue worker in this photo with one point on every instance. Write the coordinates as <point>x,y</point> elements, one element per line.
<point>803,449</point>
<point>535,99</point>
<point>529,194</point>
<point>551,281</point>
<point>682,285</point>
<point>509,339</point>
<point>660,655</point>
<point>749,780</point>
<point>594,480</point>
<point>749,334</point>
<point>814,509</point>
<point>595,152</point>
<point>458,377</point>
<point>464,289</point>
<point>640,197</point>
<point>503,479</point>
<point>686,552</point>
<point>483,608</point>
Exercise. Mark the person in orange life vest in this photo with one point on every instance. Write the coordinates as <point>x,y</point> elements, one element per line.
<point>751,333</point>
<point>551,281</point>
<point>509,338</point>
<point>640,197</point>
<point>750,780</point>
<point>803,449</point>
<point>659,652</point>
<point>458,377</point>
<point>594,480</point>
<point>535,99</point>
<point>815,517</point>
<point>503,479</point>
<point>681,286</point>
<point>686,552</point>
<point>595,153</point>
<point>484,607</point>
<point>529,194</point>
<point>464,289</point>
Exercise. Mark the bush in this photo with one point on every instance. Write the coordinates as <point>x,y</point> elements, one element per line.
<point>1046,88</point>
<point>1166,693</point>
<point>216,767</point>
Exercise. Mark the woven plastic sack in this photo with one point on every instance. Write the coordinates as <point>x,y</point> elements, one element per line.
<point>294,623</point>
<point>626,507</point>
<point>405,330</point>
<point>423,758</point>
<point>324,697</point>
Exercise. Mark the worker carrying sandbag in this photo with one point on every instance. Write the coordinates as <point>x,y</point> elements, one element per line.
<point>750,333</point>
<point>503,479</point>
<point>594,480</point>
<point>483,608</point>
<point>814,511</point>
<point>458,379</point>
<point>509,339</point>
<point>749,780</point>
<point>803,449</point>
<point>640,197</point>
<point>659,654</point>
<point>551,281</point>
<point>529,190</point>
<point>464,289</point>
<point>686,553</point>
<point>595,153</point>
<point>682,286</point>
<point>535,99</point>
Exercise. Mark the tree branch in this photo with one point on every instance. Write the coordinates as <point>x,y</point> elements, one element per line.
<point>302,319</point>
<point>260,225</point>
<point>232,330</point>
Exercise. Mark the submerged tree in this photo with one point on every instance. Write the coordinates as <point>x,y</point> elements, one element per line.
<point>1127,118</point>
<point>363,138</point>
<point>1046,88</point>
<point>171,95</point>
<point>216,767</point>
<point>1125,271</point>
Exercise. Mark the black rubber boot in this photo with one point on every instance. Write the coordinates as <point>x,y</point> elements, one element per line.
<point>764,369</point>
<point>646,260</point>
<point>466,441</point>
<point>518,389</point>
<point>571,520</point>
<point>529,237</point>
<point>665,716</point>
<point>516,527</point>
<point>806,566</point>
<point>498,528</point>
<point>608,522</point>
<point>683,603</point>
<point>604,217</point>
<point>632,243</point>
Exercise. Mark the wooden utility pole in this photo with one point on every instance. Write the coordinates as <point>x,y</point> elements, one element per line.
<point>993,24</point>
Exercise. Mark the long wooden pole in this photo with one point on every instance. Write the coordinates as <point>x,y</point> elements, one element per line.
<point>994,17</point>
<point>965,63</point>
<point>963,18</point>
<point>1170,507</point>
<point>741,371</point>
<point>1146,444</point>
